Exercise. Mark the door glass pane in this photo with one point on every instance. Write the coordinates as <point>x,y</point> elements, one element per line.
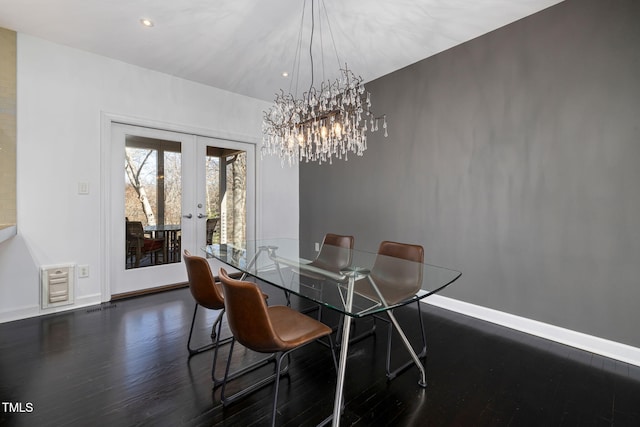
<point>153,201</point>
<point>226,176</point>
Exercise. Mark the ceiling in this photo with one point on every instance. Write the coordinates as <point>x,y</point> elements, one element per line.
<point>244,46</point>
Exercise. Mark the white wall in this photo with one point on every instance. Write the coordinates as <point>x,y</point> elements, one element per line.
<point>62,95</point>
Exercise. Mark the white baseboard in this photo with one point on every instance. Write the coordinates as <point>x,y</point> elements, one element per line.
<point>611,349</point>
<point>35,310</point>
<point>19,313</point>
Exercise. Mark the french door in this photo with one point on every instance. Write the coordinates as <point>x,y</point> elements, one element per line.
<point>171,191</point>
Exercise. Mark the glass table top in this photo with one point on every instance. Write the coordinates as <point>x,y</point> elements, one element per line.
<point>379,282</point>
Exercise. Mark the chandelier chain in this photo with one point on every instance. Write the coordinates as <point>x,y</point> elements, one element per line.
<point>313,26</point>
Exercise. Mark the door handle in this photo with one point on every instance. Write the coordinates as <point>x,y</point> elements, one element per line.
<point>201,215</point>
<point>188,216</point>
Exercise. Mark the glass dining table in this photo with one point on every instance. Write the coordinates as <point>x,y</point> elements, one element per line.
<point>349,290</point>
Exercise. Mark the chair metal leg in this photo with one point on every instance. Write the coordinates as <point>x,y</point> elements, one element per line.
<point>332,346</point>
<point>231,376</point>
<point>338,331</point>
<point>275,392</point>
<point>313,308</point>
<point>278,372</point>
<point>287,295</point>
<point>207,347</point>
<point>354,339</point>
<point>253,387</point>
<point>217,382</point>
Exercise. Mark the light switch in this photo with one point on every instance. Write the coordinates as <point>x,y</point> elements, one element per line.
<point>83,187</point>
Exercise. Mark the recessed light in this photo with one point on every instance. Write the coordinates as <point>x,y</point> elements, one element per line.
<point>146,22</point>
<point>285,74</point>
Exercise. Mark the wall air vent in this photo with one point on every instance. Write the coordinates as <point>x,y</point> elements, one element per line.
<point>57,285</point>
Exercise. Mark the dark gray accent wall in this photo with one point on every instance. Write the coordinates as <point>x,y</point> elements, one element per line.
<point>513,158</point>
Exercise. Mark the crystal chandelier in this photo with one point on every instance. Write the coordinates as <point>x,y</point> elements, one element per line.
<point>324,123</point>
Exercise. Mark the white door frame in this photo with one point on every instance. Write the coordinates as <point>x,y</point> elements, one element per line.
<point>107,121</point>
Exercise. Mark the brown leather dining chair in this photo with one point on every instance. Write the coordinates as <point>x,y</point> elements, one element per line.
<point>207,292</point>
<point>265,329</point>
<point>329,259</point>
<point>333,260</point>
<point>396,281</point>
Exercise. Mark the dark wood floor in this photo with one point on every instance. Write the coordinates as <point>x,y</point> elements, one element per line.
<point>126,364</point>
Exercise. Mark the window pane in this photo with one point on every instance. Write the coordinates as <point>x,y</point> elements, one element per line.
<point>153,199</point>
<point>236,198</point>
<point>226,195</point>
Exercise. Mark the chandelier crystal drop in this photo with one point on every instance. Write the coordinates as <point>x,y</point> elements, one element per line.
<point>324,123</point>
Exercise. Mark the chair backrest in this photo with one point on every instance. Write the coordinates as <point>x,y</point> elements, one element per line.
<point>398,280</point>
<point>202,284</point>
<point>247,315</point>
<point>135,229</point>
<point>335,252</point>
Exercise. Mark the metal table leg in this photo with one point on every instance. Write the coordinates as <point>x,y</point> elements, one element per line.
<point>344,348</point>
<point>423,375</point>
